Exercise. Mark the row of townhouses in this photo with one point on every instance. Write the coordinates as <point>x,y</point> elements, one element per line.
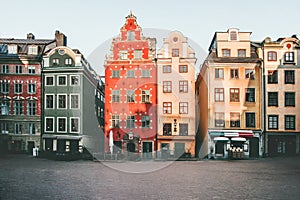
<point>242,104</point>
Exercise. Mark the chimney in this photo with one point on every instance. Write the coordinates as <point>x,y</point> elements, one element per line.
<point>30,36</point>
<point>61,39</point>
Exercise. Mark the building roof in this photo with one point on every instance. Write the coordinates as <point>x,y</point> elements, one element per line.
<point>25,41</point>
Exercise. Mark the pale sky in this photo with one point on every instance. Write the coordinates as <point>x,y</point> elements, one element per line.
<point>89,24</point>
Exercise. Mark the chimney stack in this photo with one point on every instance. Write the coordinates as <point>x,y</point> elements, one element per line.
<point>30,36</point>
<point>61,39</point>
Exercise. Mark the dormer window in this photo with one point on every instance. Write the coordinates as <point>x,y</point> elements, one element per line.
<point>68,61</point>
<point>233,35</point>
<point>55,61</point>
<point>130,35</point>
<point>32,50</point>
<point>289,57</point>
<point>12,49</point>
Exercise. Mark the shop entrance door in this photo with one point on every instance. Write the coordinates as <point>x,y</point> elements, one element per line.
<point>254,147</point>
<point>220,149</point>
<point>147,150</point>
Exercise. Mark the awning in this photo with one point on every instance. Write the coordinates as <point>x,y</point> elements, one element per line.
<point>215,133</point>
<point>68,137</point>
<point>246,134</point>
<point>48,136</point>
<point>231,134</point>
<point>224,139</point>
<point>238,139</point>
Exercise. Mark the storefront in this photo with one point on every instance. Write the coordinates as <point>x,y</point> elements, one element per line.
<point>234,144</point>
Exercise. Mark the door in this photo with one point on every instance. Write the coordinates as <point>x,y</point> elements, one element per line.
<point>74,146</point>
<point>179,150</point>
<point>61,146</point>
<point>117,147</point>
<point>48,144</point>
<point>219,149</point>
<point>30,146</point>
<point>147,150</point>
<point>254,147</point>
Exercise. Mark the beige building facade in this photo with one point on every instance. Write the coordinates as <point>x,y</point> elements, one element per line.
<point>282,95</point>
<point>229,101</point>
<point>176,98</point>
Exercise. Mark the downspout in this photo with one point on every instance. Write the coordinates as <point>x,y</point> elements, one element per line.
<point>264,103</point>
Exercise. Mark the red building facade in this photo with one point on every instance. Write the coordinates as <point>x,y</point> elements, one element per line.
<point>131,93</point>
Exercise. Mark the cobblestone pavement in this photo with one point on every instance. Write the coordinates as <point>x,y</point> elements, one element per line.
<point>24,177</point>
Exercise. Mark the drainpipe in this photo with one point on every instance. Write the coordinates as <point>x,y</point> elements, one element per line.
<point>264,102</point>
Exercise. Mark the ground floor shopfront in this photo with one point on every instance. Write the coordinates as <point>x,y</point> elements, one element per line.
<point>174,147</point>
<point>282,143</point>
<point>234,144</point>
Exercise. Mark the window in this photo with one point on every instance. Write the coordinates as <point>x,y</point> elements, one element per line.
<point>123,55</point>
<point>68,61</point>
<point>32,128</point>
<point>18,88</point>
<point>74,80</point>
<point>18,107</point>
<point>175,52</point>
<point>226,52</point>
<point>74,124</point>
<point>272,76</point>
<point>55,61</point>
<point>130,96</point>
<point>18,128</point>
<point>130,121</point>
<point>5,69</point>
<point>115,96</point>
<point>146,121</point>
<point>4,107</point>
<point>219,73</point>
<point>31,108</point>
<point>233,35</point>
<point>130,35</point>
<point>183,86</point>
<point>289,122</point>
<point>167,129</point>
<point>115,73</point>
<point>272,98</point>
<point>167,86</point>
<point>62,124</point>
<point>183,68</point>
<point>33,50</point>
<point>289,76</point>
<point>31,88</point>
<point>4,88</point>
<point>289,57</point>
<point>62,80</point>
<point>220,119</point>
<point>250,74</point>
<point>219,94</point>
<point>130,73</point>
<point>234,119</point>
<point>12,49</point>
<point>289,99</point>
<point>167,107</point>
<point>145,96</point>
<point>167,69</point>
<point>234,94</point>
<point>49,80</point>
<point>18,69</point>
<point>234,73</point>
<point>183,107</point>
<point>115,121</point>
<point>145,73</point>
<point>49,124</point>
<point>137,54</point>
<point>183,129</point>
<point>250,94</point>
<point>62,101</point>
<point>4,127</point>
<point>241,52</point>
<point>272,56</point>
<point>74,101</point>
<point>49,101</point>
<point>31,69</point>
<point>250,120</point>
<point>273,121</point>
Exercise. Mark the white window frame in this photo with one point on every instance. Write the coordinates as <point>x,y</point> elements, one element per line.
<point>18,69</point>
<point>29,88</point>
<point>46,101</point>
<point>31,70</point>
<point>5,69</point>
<point>66,101</point>
<point>5,86</point>
<point>78,80</point>
<point>46,83</point>
<point>32,50</point>
<point>12,49</point>
<point>146,73</point>
<point>65,80</point>
<point>28,108</point>
<point>71,95</point>
<point>31,128</point>
<point>66,124</point>
<point>78,118</point>
<point>68,61</point>
<point>53,129</point>
<point>138,54</point>
<point>15,86</point>
<point>18,126</point>
<point>123,54</point>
